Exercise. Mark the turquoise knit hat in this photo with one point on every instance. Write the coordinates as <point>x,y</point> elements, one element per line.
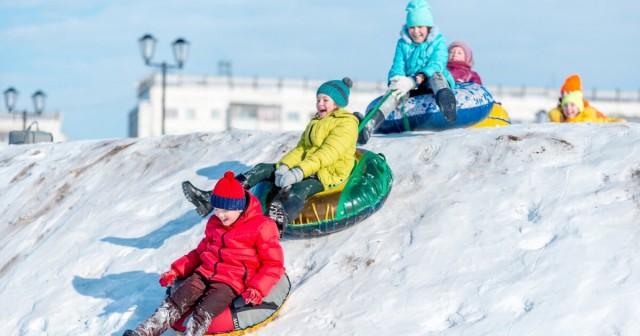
<point>419,14</point>
<point>338,90</point>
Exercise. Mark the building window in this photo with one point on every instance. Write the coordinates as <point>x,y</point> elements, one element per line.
<point>171,113</point>
<point>256,112</point>
<point>191,114</point>
<point>215,114</point>
<point>293,116</point>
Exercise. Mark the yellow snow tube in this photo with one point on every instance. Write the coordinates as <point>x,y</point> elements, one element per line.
<point>496,118</point>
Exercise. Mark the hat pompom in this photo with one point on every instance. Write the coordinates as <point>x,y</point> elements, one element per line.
<point>348,82</point>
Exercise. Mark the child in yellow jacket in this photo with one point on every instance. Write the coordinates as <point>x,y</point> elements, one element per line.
<point>573,110</point>
<point>322,159</point>
<point>573,83</point>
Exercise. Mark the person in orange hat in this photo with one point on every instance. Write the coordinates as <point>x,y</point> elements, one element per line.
<point>573,84</point>
<point>573,110</point>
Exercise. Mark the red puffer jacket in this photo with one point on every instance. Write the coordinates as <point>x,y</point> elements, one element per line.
<point>245,254</point>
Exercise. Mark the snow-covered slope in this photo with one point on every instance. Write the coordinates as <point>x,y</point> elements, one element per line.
<point>524,230</point>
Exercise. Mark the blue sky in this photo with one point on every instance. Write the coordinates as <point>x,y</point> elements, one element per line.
<point>84,54</point>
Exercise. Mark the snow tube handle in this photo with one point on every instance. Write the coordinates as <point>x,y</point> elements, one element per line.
<point>238,302</point>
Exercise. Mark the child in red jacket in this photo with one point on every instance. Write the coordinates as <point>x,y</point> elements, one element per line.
<point>240,254</point>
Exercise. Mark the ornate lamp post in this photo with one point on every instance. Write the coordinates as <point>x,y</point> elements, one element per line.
<point>180,53</point>
<point>38,97</point>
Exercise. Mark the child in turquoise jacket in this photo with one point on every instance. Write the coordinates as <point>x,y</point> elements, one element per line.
<point>419,67</point>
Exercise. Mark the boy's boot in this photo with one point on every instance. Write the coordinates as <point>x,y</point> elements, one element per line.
<point>283,212</point>
<point>445,98</point>
<point>293,206</point>
<point>200,198</point>
<point>159,322</point>
<point>277,213</point>
<point>244,181</point>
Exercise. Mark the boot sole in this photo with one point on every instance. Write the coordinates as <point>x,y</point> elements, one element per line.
<point>277,214</point>
<point>447,102</point>
<point>362,138</point>
<point>189,191</point>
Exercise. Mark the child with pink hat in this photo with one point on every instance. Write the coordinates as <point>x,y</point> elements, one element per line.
<point>460,63</point>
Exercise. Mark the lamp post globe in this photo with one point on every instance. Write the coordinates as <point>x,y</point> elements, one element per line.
<point>147,47</point>
<point>38,101</point>
<point>10,97</point>
<point>180,51</point>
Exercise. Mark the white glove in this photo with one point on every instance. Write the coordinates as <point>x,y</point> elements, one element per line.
<point>402,85</point>
<point>293,176</point>
<point>282,169</point>
<point>394,79</point>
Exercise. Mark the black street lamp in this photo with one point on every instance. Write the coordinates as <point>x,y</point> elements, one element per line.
<point>38,97</point>
<point>180,53</point>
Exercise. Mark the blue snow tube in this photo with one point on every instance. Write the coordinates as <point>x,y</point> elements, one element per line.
<point>420,113</point>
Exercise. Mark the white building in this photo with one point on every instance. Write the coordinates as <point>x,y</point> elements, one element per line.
<point>196,104</point>
<point>217,103</point>
<point>47,122</point>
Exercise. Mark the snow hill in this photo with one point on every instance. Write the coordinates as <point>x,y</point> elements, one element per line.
<point>522,230</point>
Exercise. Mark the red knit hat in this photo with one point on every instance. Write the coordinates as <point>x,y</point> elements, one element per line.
<point>573,83</point>
<point>228,193</point>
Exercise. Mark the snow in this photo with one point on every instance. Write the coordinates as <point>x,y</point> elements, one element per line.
<point>521,230</point>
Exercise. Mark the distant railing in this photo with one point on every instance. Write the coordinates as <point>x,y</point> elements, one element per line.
<point>45,116</point>
<point>593,94</point>
<point>361,86</point>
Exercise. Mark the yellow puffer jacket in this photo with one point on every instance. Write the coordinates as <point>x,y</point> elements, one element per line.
<point>326,148</point>
<point>589,114</point>
<point>556,115</point>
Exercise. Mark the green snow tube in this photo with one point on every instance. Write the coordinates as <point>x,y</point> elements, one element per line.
<point>343,206</point>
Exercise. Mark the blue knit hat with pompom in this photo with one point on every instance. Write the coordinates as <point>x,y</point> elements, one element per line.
<point>338,90</point>
<point>228,194</point>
